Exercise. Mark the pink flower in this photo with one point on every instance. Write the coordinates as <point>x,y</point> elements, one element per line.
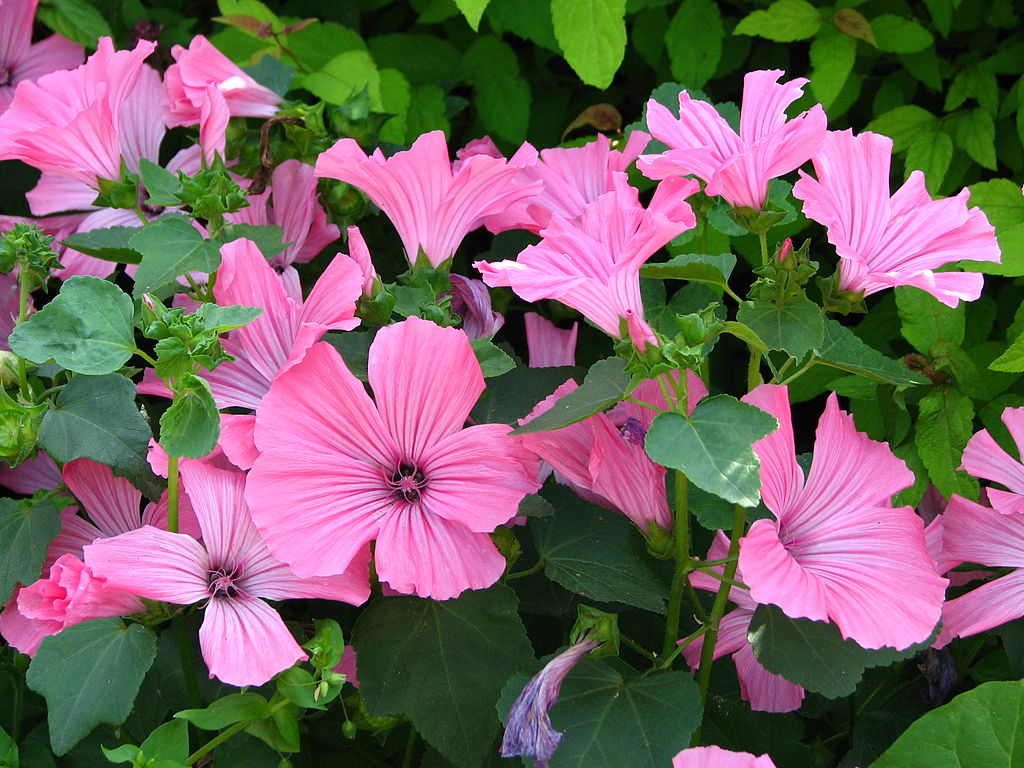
<point>69,123</point>
<point>36,474</point>
<point>716,757</point>
<point>272,342</point>
<point>472,302</point>
<point>837,549</point>
<point>291,203</point>
<point>573,177</point>
<point>432,207</point>
<point>995,538</point>
<point>337,469</point>
<point>593,264</point>
<point>205,88</point>
<point>548,345</point>
<point>244,641</point>
<point>360,254</point>
<point>19,59</point>
<point>737,167</point>
<point>983,457</point>
<point>764,690</point>
<point>884,242</point>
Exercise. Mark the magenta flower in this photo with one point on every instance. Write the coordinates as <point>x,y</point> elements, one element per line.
<point>716,757</point>
<point>529,731</point>
<point>883,242</point>
<point>548,345</point>
<point>737,167</point>
<point>69,123</point>
<point>337,469</point>
<point>764,690</point>
<point>273,341</point>
<point>592,264</point>
<point>432,207</point>
<point>983,457</point>
<point>837,550</point>
<point>244,641</point>
<point>20,59</point>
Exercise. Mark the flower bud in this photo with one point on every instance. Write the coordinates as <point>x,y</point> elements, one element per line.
<point>19,428</point>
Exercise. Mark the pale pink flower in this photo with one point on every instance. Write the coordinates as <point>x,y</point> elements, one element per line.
<point>19,58</point>
<point>432,206</point>
<point>592,263</point>
<point>736,167</point>
<point>337,469</point>
<point>360,254</point>
<point>39,473</point>
<point>885,241</point>
<point>243,640</point>
<point>69,122</point>
<point>548,345</point>
<point>273,341</point>
<point>764,690</point>
<point>990,537</point>
<point>716,757</point>
<point>472,302</point>
<point>204,87</point>
<point>837,550</point>
<point>290,202</point>
<point>983,457</point>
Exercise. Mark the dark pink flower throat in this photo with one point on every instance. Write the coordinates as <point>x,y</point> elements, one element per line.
<point>407,482</point>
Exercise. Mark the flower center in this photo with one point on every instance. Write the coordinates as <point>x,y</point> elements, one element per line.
<point>407,482</point>
<point>633,432</point>
<point>222,582</point>
<point>5,75</point>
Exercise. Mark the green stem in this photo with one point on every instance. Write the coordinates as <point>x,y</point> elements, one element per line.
<point>172,494</point>
<point>639,648</point>
<point>642,404</point>
<point>682,646</point>
<point>763,238</point>
<point>410,748</point>
<point>535,568</point>
<point>226,734</point>
<point>23,295</point>
<point>754,369</point>
<point>142,217</point>
<point>681,533</point>
<point>719,577</point>
<point>800,372</point>
<point>145,356</point>
<point>698,609</point>
<point>19,707</point>
<point>707,653</point>
<point>188,668</point>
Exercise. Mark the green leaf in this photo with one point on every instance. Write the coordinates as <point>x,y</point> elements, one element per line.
<point>86,329</point>
<point>796,327</point>
<point>904,124</point>
<point>396,98</point>
<point>344,76</point>
<point>170,247</point>
<point>76,20</point>
<point>272,73</point>
<point>713,447</point>
<point>855,24</point>
<point>832,57</point>
<point>110,244</point>
<point>925,321</point>
<point>227,710</point>
<point>89,674</point>
<point>472,10</point>
<point>611,722</point>
<point>315,45</point>
<point>168,742</point>
<point>26,530</point>
<point>784,21</point>
<point>894,34</point>
<point>218,319</point>
<point>605,384</point>
<point>1012,360</point>
<point>162,186</point>
<point>695,267</point>
<point>942,14</point>
<point>512,396</point>
<point>694,42</point>
<point>268,238</point>
<point>191,426</point>
<point>8,751</point>
<point>944,425</point>
<point>95,417</point>
<point>436,59</point>
<point>598,554</point>
<point>502,96</point>
<point>442,664</point>
<point>978,82</point>
<point>814,654</point>
<point>493,360</point>
<point>427,112</point>
<point>976,135</point>
<point>930,152</point>
<point>1003,204</point>
<point>977,729</point>
<point>842,348</point>
<point>592,34</point>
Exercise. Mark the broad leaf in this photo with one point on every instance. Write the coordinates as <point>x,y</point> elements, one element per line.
<point>222,319</point>
<point>713,447</point>
<point>694,42</point>
<point>76,20</point>
<point>895,34</point>
<point>1003,205</point>
<point>904,124</point>
<point>1012,360</point>
<point>95,417</point>
<point>796,327</point>
<point>930,153</point>
<point>110,244</point>
<point>493,360</point>
<point>87,328</point>
<point>344,76</point>
<point>842,348</point>
<point>925,321</point>
<point>598,554</point>
<point>442,664</point>
<point>784,21</point>
<point>26,530</point>
<point>832,57</point>
<point>162,186</point>
<point>227,710</point>
<point>191,426</point>
<point>170,247</point>
<point>944,425</point>
<point>89,674</point>
<point>592,34</point>
<point>9,757</point>
<point>605,384</point>
<point>268,238</point>
<point>700,268</point>
<point>610,722</point>
<point>502,96</point>
<point>511,397</point>
<point>978,729</point>
<point>814,654</point>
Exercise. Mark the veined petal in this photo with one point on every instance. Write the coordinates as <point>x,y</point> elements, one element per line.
<point>990,605</point>
<point>765,691</point>
<point>269,578</point>
<point>236,439</point>
<point>776,578</point>
<point>219,503</point>
<point>984,457</point>
<point>152,563</point>
<point>112,502</point>
<point>977,534</point>
<point>781,477</point>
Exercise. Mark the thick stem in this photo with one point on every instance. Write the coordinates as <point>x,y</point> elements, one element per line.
<point>681,534</point>
<point>172,494</point>
<point>754,369</point>
<point>410,748</point>
<point>23,293</point>
<point>763,239</point>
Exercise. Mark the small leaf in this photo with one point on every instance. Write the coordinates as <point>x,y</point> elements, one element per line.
<point>713,447</point>
<point>170,247</point>
<point>76,20</point>
<point>227,710</point>
<point>930,153</point>
<point>976,135</point>
<point>191,426</point>
<point>502,96</point>
<point>1003,204</point>
<point>925,321</point>
<point>9,757</point>
<point>344,76</point>
<point>266,237</point>
<point>26,530</point>
<point>944,425</point>
<point>493,360</point>
<point>472,10</point>
<point>218,319</point>
<point>832,58</point>
<point>842,348</point>
<point>852,22</point>
<point>694,42</point>
<point>89,674</point>
<point>110,244</point>
<point>784,21</point>
<point>605,384</point>
<point>699,268</point>
<point>162,186</point>
<point>904,124</point>
<point>168,742</point>
<point>592,34</point>
<point>796,327</point>
<point>87,328</point>
<point>894,34</point>
<point>1012,360</point>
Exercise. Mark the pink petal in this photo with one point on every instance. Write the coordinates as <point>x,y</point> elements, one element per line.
<point>548,345</point>
<point>154,564</point>
<point>716,757</point>
<point>48,55</point>
<point>977,534</point>
<point>236,439</point>
<point>990,605</point>
<point>781,477</point>
<point>764,690</point>
<point>112,502</point>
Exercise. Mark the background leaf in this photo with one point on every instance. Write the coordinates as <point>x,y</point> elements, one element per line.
<point>605,383</point>
<point>592,33</point>
<point>26,529</point>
